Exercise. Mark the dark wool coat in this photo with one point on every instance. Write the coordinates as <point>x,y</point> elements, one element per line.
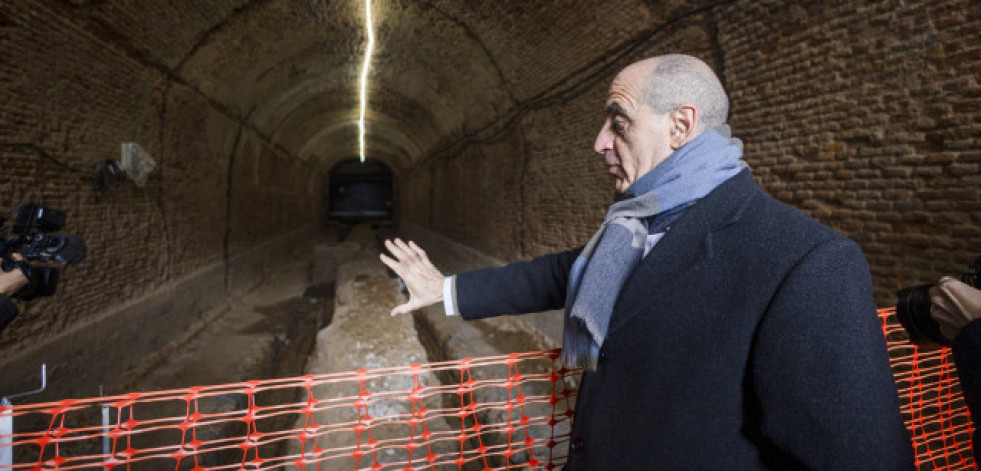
<point>967,357</point>
<point>747,339</point>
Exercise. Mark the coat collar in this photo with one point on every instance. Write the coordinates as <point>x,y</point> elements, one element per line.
<point>686,246</point>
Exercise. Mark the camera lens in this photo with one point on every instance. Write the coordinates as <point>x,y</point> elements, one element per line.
<point>913,311</point>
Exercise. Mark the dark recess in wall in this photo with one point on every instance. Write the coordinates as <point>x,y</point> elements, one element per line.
<point>360,191</point>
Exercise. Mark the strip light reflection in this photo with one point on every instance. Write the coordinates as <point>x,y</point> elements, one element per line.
<point>364,75</point>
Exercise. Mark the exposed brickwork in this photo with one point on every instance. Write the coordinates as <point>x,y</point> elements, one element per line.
<point>486,182</point>
<point>77,95</point>
<point>863,116</point>
<point>41,105</point>
<point>561,189</point>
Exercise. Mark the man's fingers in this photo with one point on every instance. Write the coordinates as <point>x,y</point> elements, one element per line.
<point>393,264</point>
<point>953,291</point>
<point>395,250</point>
<point>955,288</point>
<point>938,297</point>
<point>425,262</point>
<point>405,250</point>
<point>402,252</point>
<point>409,255</point>
<point>418,251</point>
<point>403,309</point>
<point>943,303</point>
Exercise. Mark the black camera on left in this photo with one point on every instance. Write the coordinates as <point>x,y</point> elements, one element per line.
<point>34,238</point>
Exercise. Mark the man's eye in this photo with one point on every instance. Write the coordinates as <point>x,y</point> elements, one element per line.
<point>618,125</point>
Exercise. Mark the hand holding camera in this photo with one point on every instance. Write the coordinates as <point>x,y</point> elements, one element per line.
<point>934,314</point>
<point>26,256</point>
<point>955,304</point>
<point>34,239</point>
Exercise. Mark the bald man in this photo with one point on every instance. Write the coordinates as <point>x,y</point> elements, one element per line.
<point>719,328</point>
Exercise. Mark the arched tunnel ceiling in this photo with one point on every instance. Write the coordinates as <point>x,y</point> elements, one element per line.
<point>290,68</point>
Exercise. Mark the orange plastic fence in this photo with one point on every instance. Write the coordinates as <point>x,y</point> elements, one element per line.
<point>505,412</point>
<point>930,400</point>
<point>485,413</point>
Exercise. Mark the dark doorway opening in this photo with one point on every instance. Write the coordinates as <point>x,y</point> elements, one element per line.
<point>360,192</point>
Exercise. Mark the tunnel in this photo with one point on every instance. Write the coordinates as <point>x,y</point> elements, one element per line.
<point>479,127</point>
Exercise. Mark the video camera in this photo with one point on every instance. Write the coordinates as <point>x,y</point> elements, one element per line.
<point>34,239</point>
<point>913,310</point>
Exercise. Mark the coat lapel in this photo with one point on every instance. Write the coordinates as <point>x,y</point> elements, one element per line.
<point>684,249</point>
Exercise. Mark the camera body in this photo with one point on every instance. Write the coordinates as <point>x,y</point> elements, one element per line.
<point>34,239</point>
<point>913,310</point>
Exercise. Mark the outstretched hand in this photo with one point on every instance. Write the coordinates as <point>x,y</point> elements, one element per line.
<point>954,305</point>
<point>421,278</point>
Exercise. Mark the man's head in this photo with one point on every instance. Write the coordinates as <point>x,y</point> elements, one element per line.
<point>656,106</point>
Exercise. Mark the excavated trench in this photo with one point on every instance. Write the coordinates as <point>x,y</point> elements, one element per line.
<point>324,312</point>
<point>363,335</point>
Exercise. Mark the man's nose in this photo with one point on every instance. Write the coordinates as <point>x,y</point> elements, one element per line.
<point>604,140</point>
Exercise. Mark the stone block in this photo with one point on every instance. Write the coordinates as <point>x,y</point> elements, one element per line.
<point>327,258</point>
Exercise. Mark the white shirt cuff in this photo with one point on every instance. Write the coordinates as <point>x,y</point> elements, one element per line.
<point>448,305</point>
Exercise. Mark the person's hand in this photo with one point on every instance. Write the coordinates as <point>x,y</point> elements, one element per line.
<point>954,305</point>
<point>422,279</point>
<point>13,280</point>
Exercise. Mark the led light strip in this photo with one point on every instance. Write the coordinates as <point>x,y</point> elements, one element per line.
<point>364,75</point>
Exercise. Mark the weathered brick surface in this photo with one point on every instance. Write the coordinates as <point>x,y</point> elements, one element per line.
<point>862,115</point>
<point>546,179</point>
<point>77,95</point>
<point>41,105</point>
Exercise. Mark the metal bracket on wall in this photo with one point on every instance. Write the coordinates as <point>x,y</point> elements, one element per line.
<point>7,419</point>
<point>44,385</point>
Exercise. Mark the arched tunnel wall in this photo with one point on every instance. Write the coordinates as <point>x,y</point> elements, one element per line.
<point>863,114</point>
<point>222,202</point>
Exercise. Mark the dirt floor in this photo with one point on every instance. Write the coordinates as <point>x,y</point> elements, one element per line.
<point>265,333</point>
<point>271,331</point>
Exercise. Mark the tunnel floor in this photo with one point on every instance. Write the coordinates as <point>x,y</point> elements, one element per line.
<point>270,331</point>
<point>275,330</point>
<point>266,332</point>
<point>282,327</point>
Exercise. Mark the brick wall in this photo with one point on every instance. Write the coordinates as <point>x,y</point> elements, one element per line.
<point>218,190</point>
<point>864,115</point>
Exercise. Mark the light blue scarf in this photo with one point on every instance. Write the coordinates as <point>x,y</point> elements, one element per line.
<point>599,273</point>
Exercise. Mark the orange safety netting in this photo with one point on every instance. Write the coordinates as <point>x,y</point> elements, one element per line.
<point>505,412</point>
<point>930,400</point>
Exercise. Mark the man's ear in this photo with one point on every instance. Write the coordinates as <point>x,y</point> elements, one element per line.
<point>682,122</point>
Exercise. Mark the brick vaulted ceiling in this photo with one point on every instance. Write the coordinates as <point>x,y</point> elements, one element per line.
<point>289,68</point>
